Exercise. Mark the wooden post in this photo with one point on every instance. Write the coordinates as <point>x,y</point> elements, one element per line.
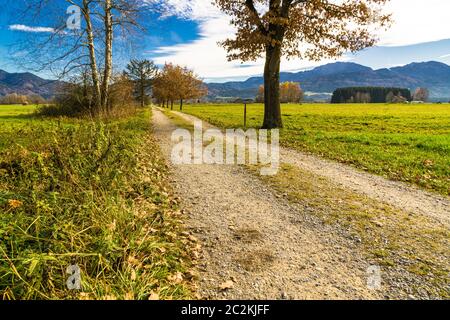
<point>245,115</point>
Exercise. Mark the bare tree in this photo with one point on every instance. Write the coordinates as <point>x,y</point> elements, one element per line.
<point>67,51</point>
<point>421,94</point>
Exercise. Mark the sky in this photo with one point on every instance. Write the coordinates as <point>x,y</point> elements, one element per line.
<point>189,30</point>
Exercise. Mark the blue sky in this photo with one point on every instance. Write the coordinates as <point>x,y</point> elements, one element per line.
<point>189,31</point>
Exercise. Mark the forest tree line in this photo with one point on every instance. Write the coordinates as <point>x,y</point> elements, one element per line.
<point>14,98</point>
<point>378,95</point>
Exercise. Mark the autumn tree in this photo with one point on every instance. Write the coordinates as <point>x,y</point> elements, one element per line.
<point>175,83</point>
<point>189,86</point>
<point>260,95</point>
<point>160,90</point>
<point>312,29</point>
<point>290,92</point>
<point>142,72</point>
<point>421,94</point>
<point>166,84</point>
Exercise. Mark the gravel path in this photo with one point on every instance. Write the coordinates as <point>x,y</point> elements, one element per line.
<point>257,245</point>
<point>397,194</point>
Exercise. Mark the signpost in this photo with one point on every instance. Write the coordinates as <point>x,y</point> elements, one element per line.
<point>246,101</point>
<point>245,115</point>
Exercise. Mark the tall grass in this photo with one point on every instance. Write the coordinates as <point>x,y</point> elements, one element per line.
<point>92,195</point>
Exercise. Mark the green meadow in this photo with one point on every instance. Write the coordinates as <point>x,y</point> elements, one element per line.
<point>409,143</point>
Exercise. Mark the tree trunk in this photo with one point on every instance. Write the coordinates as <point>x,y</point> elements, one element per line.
<point>92,57</point>
<point>171,105</point>
<point>272,108</point>
<point>181,104</point>
<point>108,53</point>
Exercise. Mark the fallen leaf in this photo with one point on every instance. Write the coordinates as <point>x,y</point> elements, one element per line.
<point>162,249</point>
<point>176,278</point>
<point>428,163</point>
<point>15,203</point>
<point>226,285</point>
<point>85,296</point>
<point>133,275</point>
<point>192,238</point>
<point>129,296</point>
<point>153,296</point>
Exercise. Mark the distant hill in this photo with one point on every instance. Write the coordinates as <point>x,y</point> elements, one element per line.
<point>318,83</point>
<point>26,83</point>
<point>325,79</point>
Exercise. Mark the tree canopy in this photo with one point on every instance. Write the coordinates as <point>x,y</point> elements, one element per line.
<point>312,29</point>
<point>175,83</point>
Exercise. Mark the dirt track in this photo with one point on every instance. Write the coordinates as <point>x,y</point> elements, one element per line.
<point>397,194</point>
<point>258,245</point>
<point>264,245</point>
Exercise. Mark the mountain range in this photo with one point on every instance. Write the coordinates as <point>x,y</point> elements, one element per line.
<point>320,82</point>
<point>317,83</point>
<point>26,84</point>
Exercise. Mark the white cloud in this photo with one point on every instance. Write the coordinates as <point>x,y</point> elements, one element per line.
<point>415,21</point>
<point>24,28</point>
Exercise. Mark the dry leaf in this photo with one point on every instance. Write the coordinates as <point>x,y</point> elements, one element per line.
<point>129,296</point>
<point>15,203</point>
<point>226,285</point>
<point>176,278</point>
<point>428,163</point>
<point>192,238</point>
<point>162,249</point>
<point>153,296</point>
<point>85,296</point>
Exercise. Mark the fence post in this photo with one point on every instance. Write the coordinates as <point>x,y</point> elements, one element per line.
<point>245,115</point>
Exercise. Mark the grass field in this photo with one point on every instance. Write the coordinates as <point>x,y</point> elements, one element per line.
<point>92,194</point>
<point>18,125</point>
<point>409,143</point>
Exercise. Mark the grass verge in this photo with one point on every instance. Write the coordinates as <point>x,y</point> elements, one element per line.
<point>412,249</point>
<point>93,195</point>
